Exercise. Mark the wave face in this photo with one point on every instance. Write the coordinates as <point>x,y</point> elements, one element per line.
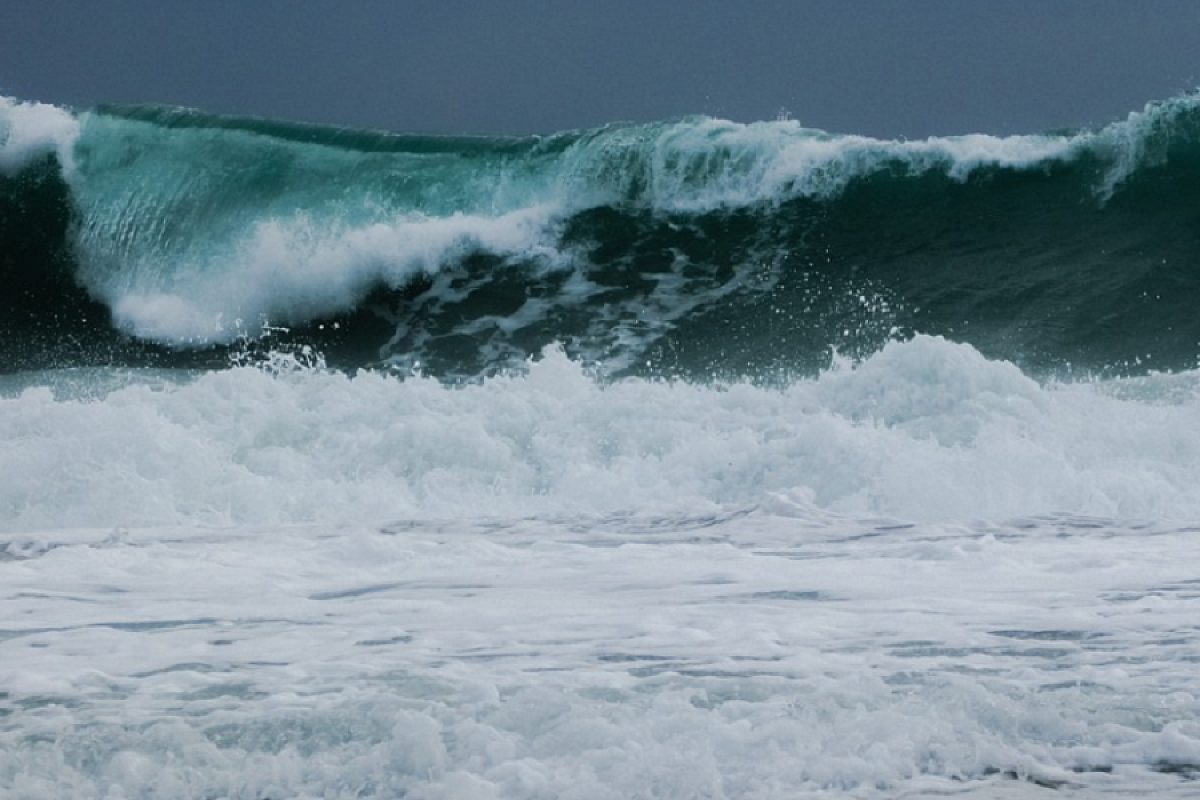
<point>696,248</point>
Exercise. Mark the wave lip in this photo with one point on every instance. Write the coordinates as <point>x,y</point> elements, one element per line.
<point>29,131</point>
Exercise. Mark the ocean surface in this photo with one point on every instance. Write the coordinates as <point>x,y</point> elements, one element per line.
<point>689,459</point>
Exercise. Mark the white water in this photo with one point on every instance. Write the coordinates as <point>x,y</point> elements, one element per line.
<point>925,430</point>
<point>927,575</point>
<point>29,131</point>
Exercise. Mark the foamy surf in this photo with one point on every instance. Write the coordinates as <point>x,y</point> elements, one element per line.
<point>678,460</point>
<point>925,430</point>
<point>776,652</point>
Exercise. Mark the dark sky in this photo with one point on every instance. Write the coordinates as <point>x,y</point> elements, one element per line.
<point>878,67</point>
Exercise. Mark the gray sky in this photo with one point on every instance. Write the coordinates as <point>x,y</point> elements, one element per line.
<point>878,67</point>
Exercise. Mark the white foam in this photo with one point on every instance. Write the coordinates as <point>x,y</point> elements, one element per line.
<point>546,586</point>
<point>926,430</point>
<point>29,131</point>
<point>780,654</point>
<point>299,268</point>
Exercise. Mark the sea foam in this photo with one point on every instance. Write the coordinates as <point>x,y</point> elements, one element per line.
<point>925,430</point>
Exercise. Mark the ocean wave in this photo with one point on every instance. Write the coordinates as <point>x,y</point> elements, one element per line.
<point>630,244</point>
